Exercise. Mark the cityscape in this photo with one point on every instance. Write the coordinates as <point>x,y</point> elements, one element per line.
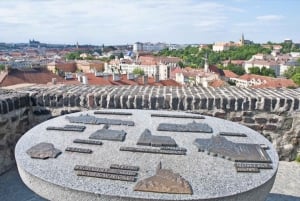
<point>149,100</point>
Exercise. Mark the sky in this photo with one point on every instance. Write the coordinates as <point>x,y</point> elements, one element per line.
<point>113,22</point>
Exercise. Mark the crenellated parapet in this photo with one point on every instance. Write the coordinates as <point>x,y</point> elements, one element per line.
<point>272,112</point>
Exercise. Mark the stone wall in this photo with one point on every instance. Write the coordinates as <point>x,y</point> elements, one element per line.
<point>272,112</point>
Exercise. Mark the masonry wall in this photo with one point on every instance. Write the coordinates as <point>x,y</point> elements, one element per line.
<point>273,113</point>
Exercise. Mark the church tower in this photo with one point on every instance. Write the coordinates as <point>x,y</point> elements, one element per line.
<point>242,41</point>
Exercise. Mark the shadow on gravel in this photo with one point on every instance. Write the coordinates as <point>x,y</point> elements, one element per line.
<point>281,197</point>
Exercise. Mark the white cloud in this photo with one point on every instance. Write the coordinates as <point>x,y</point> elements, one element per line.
<point>269,17</point>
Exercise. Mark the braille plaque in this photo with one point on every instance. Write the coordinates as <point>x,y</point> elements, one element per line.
<point>164,181</point>
<point>112,113</point>
<point>105,170</point>
<point>92,142</point>
<point>43,150</point>
<point>238,152</point>
<point>107,134</point>
<point>147,139</point>
<point>178,116</point>
<point>124,167</point>
<point>79,150</point>
<point>233,134</point>
<point>190,127</point>
<point>87,119</point>
<point>152,151</point>
<point>106,176</point>
<point>68,128</point>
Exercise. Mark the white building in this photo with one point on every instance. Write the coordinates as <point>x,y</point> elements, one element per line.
<point>219,47</point>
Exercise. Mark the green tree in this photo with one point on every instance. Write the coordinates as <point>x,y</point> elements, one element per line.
<point>138,71</point>
<point>73,55</point>
<point>292,70</point>
<point>296,78</point>
<point>121,55</point>
<point>2,67</point>
<point>254,70</point>
<point>112,57</point>
<point>180,64</point>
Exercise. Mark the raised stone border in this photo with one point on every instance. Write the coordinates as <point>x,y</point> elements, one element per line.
<point>272,112</point>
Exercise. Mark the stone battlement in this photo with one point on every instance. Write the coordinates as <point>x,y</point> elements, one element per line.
<point>272,112</point>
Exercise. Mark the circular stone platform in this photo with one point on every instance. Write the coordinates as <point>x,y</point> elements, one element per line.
<point>210,177</point>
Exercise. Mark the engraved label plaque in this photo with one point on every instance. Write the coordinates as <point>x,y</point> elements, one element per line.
<point>43,151</point>
<point>68,128</point>
<point>107,134</point>
<point>106,176</point>
<point>178,116</point>
<point>148,139</point>
<point>254,165</point>
<point>112,113</point>
<point>238,152</point>
<point>105,170</point>
<point>190,127</point>
<point>87,119</point>
<point>174,148</point>
<point>247,169</point>
<point>124,167</point>
<point>164,181</point>
<point>92,142</point>
<point>233,134</point>
<point>79,150</point>
<point>152,151</point>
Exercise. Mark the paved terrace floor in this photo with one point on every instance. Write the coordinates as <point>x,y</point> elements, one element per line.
<point>286,187</point>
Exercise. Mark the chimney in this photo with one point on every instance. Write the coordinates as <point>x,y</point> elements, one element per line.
<point>116,77</point>
<point>84,79</point>
<point>130,76</point>
<point>54,80</point>
<point>156,78</point>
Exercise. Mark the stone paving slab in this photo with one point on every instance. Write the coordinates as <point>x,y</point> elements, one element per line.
<point>286,187</point>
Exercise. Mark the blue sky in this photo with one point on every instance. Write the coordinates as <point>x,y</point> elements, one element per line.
<point>127,21</point>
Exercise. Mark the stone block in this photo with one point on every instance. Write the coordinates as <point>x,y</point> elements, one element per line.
<point>289,104</point>
<point>160,101</point>
<point>273,120</point>
<point>248,113</point>
<point>203,103</point>
<point>4,107</point>
<point>261,120</point>
<point>255,127</point>
<point>59,100</point>
<point>175,103</point>
<point>267,104</point>
<point>296,104</point>
<point>249,120</point>
<point>221,115</point>
<point>46,100</point>
<point>138,102</point>
<point>236,119</point>
<point>16,103</point>
<point>240,104</point>
<point>287,124</point>
<point>270,127</point>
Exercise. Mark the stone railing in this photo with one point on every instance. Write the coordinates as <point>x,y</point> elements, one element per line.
<point>272,112</point>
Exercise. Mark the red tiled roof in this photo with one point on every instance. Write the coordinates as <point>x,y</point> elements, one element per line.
<point>270,81</point>
<point>217,83</point>
<point>37,76</point>
<point>230,74</point>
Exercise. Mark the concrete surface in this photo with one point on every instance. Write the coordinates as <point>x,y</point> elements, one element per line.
<point>286,187</point>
